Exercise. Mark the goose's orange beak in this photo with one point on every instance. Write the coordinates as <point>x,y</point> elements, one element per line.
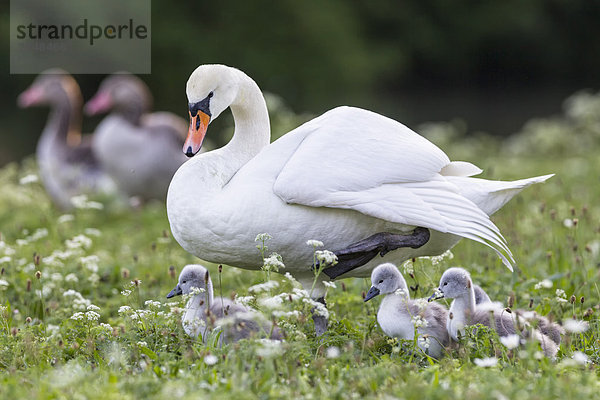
<point>196,133</point>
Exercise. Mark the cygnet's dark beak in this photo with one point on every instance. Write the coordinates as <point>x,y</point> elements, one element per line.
<point>175,292</point>
<point>371,293</point>
<point>437,295</point>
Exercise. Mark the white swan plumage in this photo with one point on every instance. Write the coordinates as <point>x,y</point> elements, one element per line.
<point>339,178</point>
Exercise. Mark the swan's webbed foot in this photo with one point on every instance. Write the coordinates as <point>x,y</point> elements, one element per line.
<point>320,321</point>
<point>360,253</point>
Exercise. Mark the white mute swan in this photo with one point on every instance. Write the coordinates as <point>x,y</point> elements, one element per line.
<point>398,314</point>
<point>154,138</point>
<point>361,183</point>
<point>65,159</point>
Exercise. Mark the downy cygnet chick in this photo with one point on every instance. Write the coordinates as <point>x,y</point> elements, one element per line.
<point>456,284</point>
<point>551,329</point>
<point>204,312</point>
<point>398,314</point>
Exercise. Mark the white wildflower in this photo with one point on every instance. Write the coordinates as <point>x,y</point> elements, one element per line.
<point>402,293</point>
<point>92,316</point>
<point>262,237</point>
<point>244,300</point>
<point>263,287</point>
<point>79,241</point>
<point>286,314</point>
<point>3,284</point>
<point>580,358</point>
<point>126,292</point>
<point>546,283</point>
<point>106,327</point>
<point>486,362</point>
<point>94,279</point>
<point>71,278</point>
<point>510,341</point>
<point>124,310</point>
<point>290,278</point>
<point>153,304</point>
<point>408,267</point>
<point>56,277</point>
<point>210,359</point>
<point>271,302</point>
<point>92,232</point>
<point>568,223</point>
<point>575,326</point>
<point>90,262</point>
<point>21,242</point>
<point>326,257</point>
<point>137,282</point>
<point>142,344</point>
<point>318,308</point>
<point>93,307</point>
<point>28,179</point>
<point>78,316</point>
<point>273,263</point>
<point>332,352</point>
<point>194,291</point>
<point>437,259</point>
<point>314,243</point>
<point>421,303</point>
<point>6,249</point>
<point>5,259</point>
<point>65,218</point>
<point>418,321</point>
<point>329,284</point>
<point>561,296</point>
<point>82,202</point>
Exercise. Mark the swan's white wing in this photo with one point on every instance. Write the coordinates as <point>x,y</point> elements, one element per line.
<point>359,160</point>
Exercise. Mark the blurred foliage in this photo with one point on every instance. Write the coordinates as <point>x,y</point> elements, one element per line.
<point>396,57</point>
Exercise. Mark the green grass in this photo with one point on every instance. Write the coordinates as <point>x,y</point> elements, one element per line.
<point>44,353</point>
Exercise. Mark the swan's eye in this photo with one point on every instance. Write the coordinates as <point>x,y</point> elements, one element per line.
<point>183,281</point>
<point>381,281</point>
<point>211,94</point>
<point>445,283</point>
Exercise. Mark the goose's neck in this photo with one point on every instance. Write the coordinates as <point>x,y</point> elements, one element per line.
<point>63,128</point>
<point>252,127</point>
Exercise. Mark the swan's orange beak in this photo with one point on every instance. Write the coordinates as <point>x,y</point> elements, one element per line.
<point>196,133</point>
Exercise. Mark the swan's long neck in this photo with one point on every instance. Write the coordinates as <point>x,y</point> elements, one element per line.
<point>252,128</point>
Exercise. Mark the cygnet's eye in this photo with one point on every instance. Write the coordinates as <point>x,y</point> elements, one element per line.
<point>381,281</point>
<point>183,281</point>
<point>445,283</point>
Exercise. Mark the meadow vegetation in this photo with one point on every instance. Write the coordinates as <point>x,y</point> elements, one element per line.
<point>84,315</point>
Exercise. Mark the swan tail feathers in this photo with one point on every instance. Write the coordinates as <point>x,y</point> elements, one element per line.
<point>490,196</point>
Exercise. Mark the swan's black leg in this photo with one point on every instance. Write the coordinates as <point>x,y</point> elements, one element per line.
<point>360,253</point>
<point>320,321</point>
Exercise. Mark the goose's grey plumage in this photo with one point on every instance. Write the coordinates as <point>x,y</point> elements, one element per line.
<point>551,329</point>
<point>140,150</point>
<point>397,311</point>
<point>204,312</point>
<point>65,159</point>
<point>456,284</point>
